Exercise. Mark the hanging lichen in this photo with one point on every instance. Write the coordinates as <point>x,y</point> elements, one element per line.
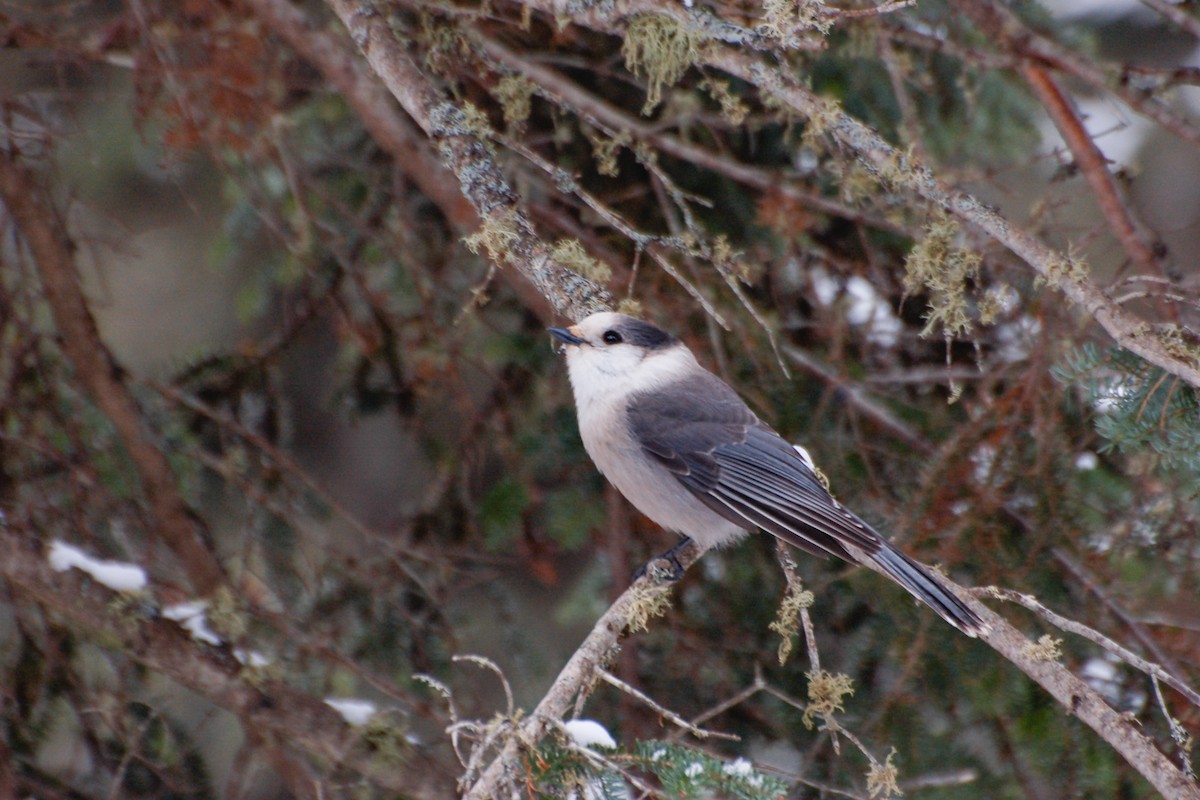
<point>660,50</point>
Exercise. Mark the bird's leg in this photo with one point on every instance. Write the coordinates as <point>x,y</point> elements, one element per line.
<point>672,571</point>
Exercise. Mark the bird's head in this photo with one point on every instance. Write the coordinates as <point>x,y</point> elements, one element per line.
<point>614,353</point>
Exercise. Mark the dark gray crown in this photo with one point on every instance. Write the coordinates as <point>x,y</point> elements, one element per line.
<point>643,334</point>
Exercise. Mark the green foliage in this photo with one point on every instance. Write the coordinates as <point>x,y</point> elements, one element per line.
<point>571,514</point>
<point>501,511</point>
<point>689,773</point>
<point>684,772</point>
<point>1140,407</point>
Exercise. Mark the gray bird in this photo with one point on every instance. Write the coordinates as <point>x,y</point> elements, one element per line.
<point>681,446</point>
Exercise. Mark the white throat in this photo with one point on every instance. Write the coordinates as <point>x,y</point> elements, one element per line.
<point>604,378</point>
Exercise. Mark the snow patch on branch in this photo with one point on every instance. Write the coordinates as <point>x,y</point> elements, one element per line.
<point>116,575</point>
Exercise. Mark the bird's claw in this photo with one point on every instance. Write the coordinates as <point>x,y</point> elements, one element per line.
<point>665,568</point>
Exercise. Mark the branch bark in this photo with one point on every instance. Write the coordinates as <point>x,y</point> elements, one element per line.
<point>469,156</point>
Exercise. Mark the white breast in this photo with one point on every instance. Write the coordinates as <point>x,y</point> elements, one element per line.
<point>601,400</point>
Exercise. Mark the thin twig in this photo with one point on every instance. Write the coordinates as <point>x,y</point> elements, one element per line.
<point>1079,629</point>
<point>699,733</point>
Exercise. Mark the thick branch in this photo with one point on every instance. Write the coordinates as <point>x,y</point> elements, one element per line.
<point>46,236</point>
<point>576,676</point>
<point>471,160</point>
<point>898,169</point>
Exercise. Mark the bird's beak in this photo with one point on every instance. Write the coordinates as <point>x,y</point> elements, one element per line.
<point>565,336</point>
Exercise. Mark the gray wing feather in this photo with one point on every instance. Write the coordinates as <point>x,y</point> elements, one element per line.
<point>741,469</point>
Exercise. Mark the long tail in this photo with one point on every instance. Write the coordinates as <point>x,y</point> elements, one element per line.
<point>916,578</point>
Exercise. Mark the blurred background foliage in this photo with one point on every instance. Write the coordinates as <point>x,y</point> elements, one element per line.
<point>380,438</point>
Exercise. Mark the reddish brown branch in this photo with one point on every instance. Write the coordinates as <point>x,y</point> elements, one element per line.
<point>999,24</point>
<point>1095,169</point>
<point>46,236</point>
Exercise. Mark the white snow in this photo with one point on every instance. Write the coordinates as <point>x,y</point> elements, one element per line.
<point>1117,131</point>
<point>251,658</point>
<point>116,575</point>
<point>694,769</point>
<point>740,768</point>
<point>864,305</point>
<point>589,733</point>
<point>190,615</point>
<point>1086,461</point>
<point>984,458</point>
<point>353,710</point>
<point>1016,338</point>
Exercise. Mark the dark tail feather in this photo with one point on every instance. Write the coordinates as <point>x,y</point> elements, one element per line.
<point>916,578</point>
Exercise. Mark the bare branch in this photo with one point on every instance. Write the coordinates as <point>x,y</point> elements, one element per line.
<point>45,233</point>
<point>1130,232</point>
<point>577,674</point>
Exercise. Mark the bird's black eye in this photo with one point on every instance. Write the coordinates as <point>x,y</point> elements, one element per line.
<point>611,337</point>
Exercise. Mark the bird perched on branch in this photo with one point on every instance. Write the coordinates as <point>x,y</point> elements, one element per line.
<point>684,448</point>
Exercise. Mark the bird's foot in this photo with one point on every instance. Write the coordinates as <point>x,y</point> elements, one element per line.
<point>665,568</point>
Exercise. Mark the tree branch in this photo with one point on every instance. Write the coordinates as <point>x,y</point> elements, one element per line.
<point>269,709</point>
<point>578,673</point>
<point>469,156</point>
<point>1128,230</point>
<point>49,243</point>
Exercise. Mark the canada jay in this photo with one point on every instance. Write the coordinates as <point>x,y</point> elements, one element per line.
<point>689,454</point>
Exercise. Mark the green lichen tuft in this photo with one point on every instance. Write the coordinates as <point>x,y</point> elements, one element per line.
<point>630,307</point>
<point>660,50</point>
<point>496,235</point>
<point>732,106</point>
<point>825,693</point>
<point>882,779</point>
<point>1067,269</point>
<point>515,95</point>
<point>570,253</point>
<point>606,150</point>
<point>787,617</point>
<point>782,19</point>
<point>939,268</point>
<point>650,602</point>
<point>1047,649</point>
